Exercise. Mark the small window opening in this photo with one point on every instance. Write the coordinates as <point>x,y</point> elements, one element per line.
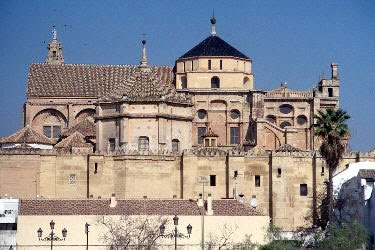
<point>112,144</point>
<point>215,82</point>
<point>54,53</point>
<point>192,65</point>
<point>257,181</point>
<point>184,67</point>
<point>209,64</point>
<point>221,64</point>
<point>212,180</point>
<point>96,168</point>
<point>72,179</point>
<point>303,189</point>
<point>278,172</point>
<point>330,92</point>
<point>235,174</point>
<point>201,131</point>
<point>143,143</point>
<point>206,142</point>
<point>322,173</point>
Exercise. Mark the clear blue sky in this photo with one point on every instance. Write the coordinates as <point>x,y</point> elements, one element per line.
<point>293,41</point>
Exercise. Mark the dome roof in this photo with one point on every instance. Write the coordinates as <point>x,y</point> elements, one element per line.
<point>214,46</point>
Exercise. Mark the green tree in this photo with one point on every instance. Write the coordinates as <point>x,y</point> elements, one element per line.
<point>332,130</point>
<point>344,236</point>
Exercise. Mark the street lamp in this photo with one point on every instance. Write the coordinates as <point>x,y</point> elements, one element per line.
<point>87,235</point>
<point>175,234</point>
<point>52,236</point>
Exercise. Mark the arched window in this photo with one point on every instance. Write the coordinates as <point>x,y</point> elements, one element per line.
<point>143,143</point>
<point>215,82</point>
<point>286,108</point>
<point>235,114</point>
<point>285,124</point>
<point>183,82</point>
<point>175,145</point>
<point>301,120</point>
<point>246,82</point>
<point>271,118</point>
<point>201,114</point>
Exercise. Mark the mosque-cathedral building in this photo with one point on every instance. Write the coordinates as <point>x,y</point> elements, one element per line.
<point>143,131</point>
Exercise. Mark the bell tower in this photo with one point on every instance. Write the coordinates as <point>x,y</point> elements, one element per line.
<point>55,54</point>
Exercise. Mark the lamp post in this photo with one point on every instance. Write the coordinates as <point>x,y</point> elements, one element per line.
<point>175,234</point>
<point>52,236</point>
<point>87,235</point>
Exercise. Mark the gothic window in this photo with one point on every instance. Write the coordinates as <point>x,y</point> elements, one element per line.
<point>235,114</point>
<point>201,131</point>
<point>303,189</point>
<point>143,143</point>
<point>301,120</point>
<point>112,144</point>
<point>215,82</point>
<point>175,145</point>
<point>271,118</point>
<point>286,108</point>
<point>209,64</point>
<point>202,114</point>
<point>234,135</point>
<point>285,124</point>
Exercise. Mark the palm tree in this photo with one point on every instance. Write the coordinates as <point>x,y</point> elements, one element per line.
<point>331,128</point>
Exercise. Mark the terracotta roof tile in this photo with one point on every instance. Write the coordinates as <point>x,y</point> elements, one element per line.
<point>27,135</point>
<point>106,82</point>
<point>85,127</point>
<point>367,173</point>
<point>130,207</point>
<point>288,148</point>
<point>76,140</point>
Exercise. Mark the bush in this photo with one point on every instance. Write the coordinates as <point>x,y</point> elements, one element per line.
<point>344,236</point>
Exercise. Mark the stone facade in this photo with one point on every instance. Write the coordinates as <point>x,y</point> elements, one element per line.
<point>141,130</point>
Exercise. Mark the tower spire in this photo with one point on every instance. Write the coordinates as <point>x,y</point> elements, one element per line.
<point>144,55</point>
<point>55,54</point>
<point>213,25</point>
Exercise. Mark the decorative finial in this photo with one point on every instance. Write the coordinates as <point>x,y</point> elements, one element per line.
<point>213,25</point>
<point>144,55</point>
<point>54,34</point>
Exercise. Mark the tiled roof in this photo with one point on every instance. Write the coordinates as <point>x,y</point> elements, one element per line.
<point>27,135</point>
<point>131,207</point>
<point>367,173</point>
<point>85,127</point>
<point>101,81</point>
<point>214,46</point>
<point>76,140</point>
<point>210,133</point>
<point>288,148</point>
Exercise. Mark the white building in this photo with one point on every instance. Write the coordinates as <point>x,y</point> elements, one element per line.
<point>8,222</point>
<point>354,191</point>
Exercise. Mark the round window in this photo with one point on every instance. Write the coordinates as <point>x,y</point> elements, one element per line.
<point>301,119</point>
<point>285,124</point>
<point>286,108</point>
<point>271,118</point>
<point>202,114</point>
<point>235,114</point>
